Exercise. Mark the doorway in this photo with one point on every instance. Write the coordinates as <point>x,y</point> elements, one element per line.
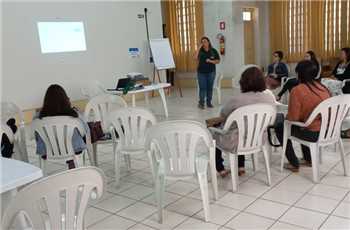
<point>249,35</point>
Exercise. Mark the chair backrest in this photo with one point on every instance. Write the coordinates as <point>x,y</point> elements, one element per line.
<point>98,108</point>
<point>59,200</point>
<point>237,77</point>
<point>252,122</point>
<point>131,124</point>
<point>217,82</point>
<point>11,110</point>
<point>174,143</point>
<point>4,129</point>
<point>57,133</point>
<point>332,112</point>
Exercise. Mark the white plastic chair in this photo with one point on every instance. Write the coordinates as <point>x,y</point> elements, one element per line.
<point>332,112</point>
<point>216,86</point>
<point>252,122</point>
<point>10,110</point>
<point>346,81</point>
<point>98,109</point>
<point>4,129</point>
<point>285,97</point>
<point>173,150</point>
<point>237,77</point>
<point>130,124</point>
<point>58,201</point>
<point>56,133</point>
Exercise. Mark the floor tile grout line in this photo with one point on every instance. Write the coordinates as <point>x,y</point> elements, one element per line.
<point>305,193</point>
<point>241,211</point>
<point>335,209</point>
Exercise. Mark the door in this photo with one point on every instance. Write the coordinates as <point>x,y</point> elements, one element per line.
<point>249,38</point>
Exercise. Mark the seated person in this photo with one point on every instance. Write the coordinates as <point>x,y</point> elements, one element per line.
<point>303,99</point>
<point>292,82</point>
<point>253,88</point>
<point>6,146</point>
<point>341,71</point>
<point>57,103</point>
<point>276,71</point>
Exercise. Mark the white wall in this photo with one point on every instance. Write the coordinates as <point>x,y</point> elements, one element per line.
<point>111,27</point>
<point>231,13</point>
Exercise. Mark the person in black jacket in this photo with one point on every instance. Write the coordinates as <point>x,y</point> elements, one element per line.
<point>276,71</point>
<point>341,71</point>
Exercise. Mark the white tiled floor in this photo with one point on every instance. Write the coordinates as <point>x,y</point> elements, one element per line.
<point>292,202</point>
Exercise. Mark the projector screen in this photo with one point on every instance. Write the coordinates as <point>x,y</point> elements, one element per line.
<point>56,37</point>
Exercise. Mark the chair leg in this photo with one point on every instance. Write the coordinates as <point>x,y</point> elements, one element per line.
<point>127,161</point>
<point>320,155</point>
<point>214,179</point>
<point>315,162</point>
<point>234,171</point>
<point>255,160</point>
<point>267,164</point>
<point>342,155</point>
<point>117,167</point>
<point>94,154</point>
<point>219,95</point>
<point>78,161</point>
<point>159,193</point>
<point>44,167</point>
<point>203,183</point>
<point>286,131</point>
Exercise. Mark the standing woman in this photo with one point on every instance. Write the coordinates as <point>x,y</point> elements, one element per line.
<point>207,58</point>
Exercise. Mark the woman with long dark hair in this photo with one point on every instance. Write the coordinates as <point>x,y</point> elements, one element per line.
<point>207,58</point>
<point>57,103</point>
<point>292,82</point>
<point>304,98</point>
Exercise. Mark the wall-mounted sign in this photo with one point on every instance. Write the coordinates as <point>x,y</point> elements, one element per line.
<point>134,52</point>
<point>222,25</point>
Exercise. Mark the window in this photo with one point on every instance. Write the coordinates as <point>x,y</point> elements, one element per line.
<point>299,25</point>
<point>184,23</point>
<point>186,11</point>
<point>336,27</point>
<point>247,16</point>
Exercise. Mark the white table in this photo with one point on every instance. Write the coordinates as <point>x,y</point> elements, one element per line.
<point>14,174</point>
<point>146,89</point>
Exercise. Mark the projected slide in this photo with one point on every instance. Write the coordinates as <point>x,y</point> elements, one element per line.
<point>58,37</point>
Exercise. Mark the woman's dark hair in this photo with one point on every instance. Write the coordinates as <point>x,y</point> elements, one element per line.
<point>56,103</point>
<point>252,80</point>
<point>206,38</point>
<point>307,72</point>
<point>346,50</point>
<point>313,56</point>
<point>279,54</point>
<point>313,59</point>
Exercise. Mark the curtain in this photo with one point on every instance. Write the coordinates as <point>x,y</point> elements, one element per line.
<point>184,27</point>
<point>300,25</point>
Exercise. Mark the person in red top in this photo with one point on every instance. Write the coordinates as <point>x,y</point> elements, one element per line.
<point>303,99</point>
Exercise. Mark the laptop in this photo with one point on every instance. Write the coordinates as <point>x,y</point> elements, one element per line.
<point>122,83</point>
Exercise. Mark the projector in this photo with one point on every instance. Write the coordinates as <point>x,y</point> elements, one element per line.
<point>136,76</point>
